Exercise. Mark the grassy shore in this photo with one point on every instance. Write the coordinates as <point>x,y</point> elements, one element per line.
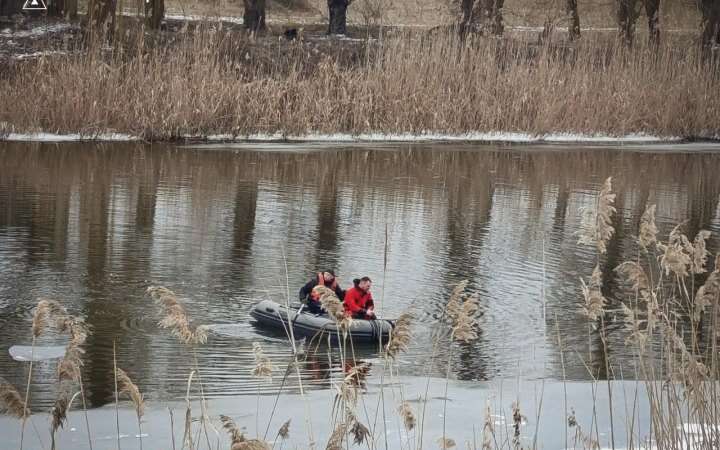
<point>214,81</point>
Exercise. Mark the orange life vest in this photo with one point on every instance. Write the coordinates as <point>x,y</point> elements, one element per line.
<point>314,296</point>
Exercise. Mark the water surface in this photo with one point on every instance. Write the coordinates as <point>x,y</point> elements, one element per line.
<point>93,225</point>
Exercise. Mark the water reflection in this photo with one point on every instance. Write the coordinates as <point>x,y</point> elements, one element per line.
<point>94,225</point>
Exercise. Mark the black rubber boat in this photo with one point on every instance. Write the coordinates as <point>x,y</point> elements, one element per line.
<point>305,324</point>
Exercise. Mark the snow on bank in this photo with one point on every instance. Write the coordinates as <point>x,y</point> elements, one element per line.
<point>53,137</point>
<point>521,138</point>
<point>36,31</point>
<point>441,137</point>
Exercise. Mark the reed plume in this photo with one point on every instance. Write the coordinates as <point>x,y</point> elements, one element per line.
<point>47,313</point>
<point>596,225</point>
<point>461,309</point>
<point>700,252</point>
<point>400,336</point>
<point>176,318</point>
<point>71,363</point>
<point>677,254</point>
<point>263,366</point>
<point>59,412</point>
<point>407,416</point>
<point>131,390</point>
<point>648,229</point>
<point>454,304</point>
<point>331,304</point>
<point>358,373</point>
<point>465,326</point>
<point>359,431</point>
<point>236,436</point>
<point>251,444</point>
<point>517,422</point>
<point>488,429</point>
<point>709,292</point>
<point>284,431</point>
<point>11,402</point>
<point>594,299</point>
<point>337,437</point>
<point>446,443</point>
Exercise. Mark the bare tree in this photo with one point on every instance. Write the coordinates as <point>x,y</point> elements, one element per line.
<point>101,17</point>
<point>482,16</point>
<point>254,17</point>
<point>571,9</point>
<point>628,12</point>
<point>652,9</point>
<point>710,10</point>
<point>154,13</point>
<point>337,10</point>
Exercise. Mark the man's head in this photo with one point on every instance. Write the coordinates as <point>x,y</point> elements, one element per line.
<point>365,284</point>
<point>329,276</point>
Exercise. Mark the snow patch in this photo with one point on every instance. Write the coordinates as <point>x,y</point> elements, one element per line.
<point>36,31</point>
<point>523,138</point>
<point>40,54</point>
<point>53,137</point>
<point>467,137</point>
<point>196,18</point>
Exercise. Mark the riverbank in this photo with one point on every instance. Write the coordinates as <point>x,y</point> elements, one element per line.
<point>213,81</point>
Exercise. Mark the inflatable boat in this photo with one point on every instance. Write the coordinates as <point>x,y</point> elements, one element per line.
<point>318,326</point>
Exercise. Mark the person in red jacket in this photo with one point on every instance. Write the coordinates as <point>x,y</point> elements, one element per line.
<point>358,300</point>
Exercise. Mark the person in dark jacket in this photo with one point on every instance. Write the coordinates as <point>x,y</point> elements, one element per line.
<point>310,297</point>
<point>358,300</point>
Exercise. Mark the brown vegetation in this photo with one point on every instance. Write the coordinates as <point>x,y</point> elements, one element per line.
<point>203,85</point>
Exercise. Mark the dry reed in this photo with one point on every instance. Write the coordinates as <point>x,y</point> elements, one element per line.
<point>337,437</point>
<point>596,227</point>
<point>400,336</point>
<point>407,416</point>
<point>648,229</point>
<point>131,390</point>
<point>236,436</point>
<point>11,402</point>
<point>202,86</point>
<point>284,431</point>
<point>176,318</point>
<point>330,303</point>
<point>446,443</point>
<point>263,366</point>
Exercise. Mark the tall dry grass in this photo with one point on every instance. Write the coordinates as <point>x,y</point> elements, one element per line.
<point>202,84</point>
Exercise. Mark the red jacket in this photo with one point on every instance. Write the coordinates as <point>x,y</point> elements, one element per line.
<point>357,299</point>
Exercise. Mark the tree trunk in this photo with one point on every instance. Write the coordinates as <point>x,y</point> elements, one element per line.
<point>652,9</point>
<point>710,22</point>
<point>102,18</point>
<point>338,16</point>
<point>626,17</point>
<point>571,8</point>
<point>154,13</point>
<point>498,24</point>
<point>56,8</point>
<point>467,20</point>
<point>10,7</point>
<point>254,17</point>
<point>71,9</point>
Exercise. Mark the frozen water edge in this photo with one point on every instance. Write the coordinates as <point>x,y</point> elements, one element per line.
<point>54,137</point>
<point>507,137</point>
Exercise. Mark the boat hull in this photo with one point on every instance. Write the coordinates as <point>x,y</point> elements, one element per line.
<point>305,324</point>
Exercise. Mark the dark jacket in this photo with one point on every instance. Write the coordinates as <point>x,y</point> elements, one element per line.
<point>307,289</point>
